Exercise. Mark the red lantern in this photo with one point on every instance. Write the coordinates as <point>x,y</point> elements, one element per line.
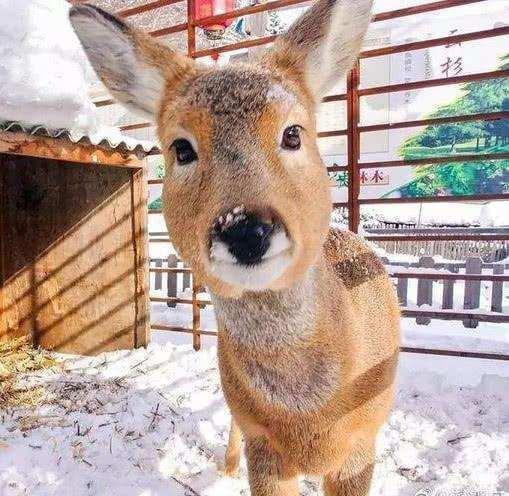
<point>206,8</point>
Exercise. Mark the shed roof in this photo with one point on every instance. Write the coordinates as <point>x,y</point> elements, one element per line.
<point>105,138</point>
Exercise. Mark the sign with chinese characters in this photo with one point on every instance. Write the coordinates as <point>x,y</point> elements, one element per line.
<point>374,177</point>
<point>369,177</point>
<point>454,139</point>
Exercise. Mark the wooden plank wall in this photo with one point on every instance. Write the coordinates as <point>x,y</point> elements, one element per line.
<point>72,255</point>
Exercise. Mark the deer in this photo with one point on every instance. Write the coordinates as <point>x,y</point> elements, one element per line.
<point>308,320</point>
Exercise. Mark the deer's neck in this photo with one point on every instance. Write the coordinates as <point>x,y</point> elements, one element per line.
<point>270,319</point>
<point>271,347</point>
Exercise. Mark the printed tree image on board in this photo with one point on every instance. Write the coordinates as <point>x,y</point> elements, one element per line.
<point>482,137</point>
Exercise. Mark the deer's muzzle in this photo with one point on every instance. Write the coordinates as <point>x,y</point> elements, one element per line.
<point>249,248</point>
<point>246,235</point>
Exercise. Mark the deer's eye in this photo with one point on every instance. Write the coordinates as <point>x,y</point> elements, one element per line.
<point>291,138</point>
<point>184,151</point>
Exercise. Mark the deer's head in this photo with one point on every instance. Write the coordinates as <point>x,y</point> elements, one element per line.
<point>246,195</point>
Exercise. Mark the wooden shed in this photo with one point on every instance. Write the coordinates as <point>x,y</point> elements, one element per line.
<point>73,241</point>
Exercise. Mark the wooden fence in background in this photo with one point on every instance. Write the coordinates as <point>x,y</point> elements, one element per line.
<point>489,244</point>
<point>170,275</point>
<point>456,286</point>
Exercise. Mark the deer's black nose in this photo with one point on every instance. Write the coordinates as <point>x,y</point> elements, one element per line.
<point>246,236</point>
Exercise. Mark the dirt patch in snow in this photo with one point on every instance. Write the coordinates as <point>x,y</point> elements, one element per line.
<point>17,358</point>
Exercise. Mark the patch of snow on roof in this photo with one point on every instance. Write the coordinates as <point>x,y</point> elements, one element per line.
<point>43,69</point>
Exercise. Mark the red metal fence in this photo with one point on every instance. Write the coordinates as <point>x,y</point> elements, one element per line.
<point>353,133</point>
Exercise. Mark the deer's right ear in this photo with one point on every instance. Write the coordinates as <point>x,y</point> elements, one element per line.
<point>134,67</point>
<point>322,45</point>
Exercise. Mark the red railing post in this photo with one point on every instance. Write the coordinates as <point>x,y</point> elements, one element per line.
<point>353,137</point>
<point>191,29</point>
<point>196,318</point>
<point>191,49</point>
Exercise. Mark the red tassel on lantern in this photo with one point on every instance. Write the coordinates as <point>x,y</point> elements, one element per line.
<point>206,8</point>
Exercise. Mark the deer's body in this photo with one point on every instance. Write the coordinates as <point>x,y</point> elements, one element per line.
<point>308,319</point>
<point>311,370</point>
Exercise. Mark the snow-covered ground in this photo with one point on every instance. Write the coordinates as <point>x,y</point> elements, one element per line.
<point>153,422</point>
<point>44,72</point>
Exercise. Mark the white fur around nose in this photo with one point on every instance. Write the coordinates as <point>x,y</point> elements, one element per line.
<point>253,277</point>
<point>279,94</point>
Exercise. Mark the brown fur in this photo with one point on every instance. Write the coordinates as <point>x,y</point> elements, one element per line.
<point>307,364</point>
<point>355,336</point>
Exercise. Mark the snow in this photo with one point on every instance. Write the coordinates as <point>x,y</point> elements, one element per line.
<point>44,72</point>
<point>152,422</point>
<point>485,214</point>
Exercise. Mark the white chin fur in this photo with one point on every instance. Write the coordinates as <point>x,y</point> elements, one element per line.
<point>253,277</point>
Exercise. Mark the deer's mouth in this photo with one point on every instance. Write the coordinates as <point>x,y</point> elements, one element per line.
<point>249,249</point>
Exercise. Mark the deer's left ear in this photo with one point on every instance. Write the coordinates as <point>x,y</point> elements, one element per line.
<point>322,45</point>
<point>133,66</point>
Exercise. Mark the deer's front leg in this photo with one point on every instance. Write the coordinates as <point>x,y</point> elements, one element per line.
<point>232,457</point>
<point>354,477</point>
<point>267,474</point>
